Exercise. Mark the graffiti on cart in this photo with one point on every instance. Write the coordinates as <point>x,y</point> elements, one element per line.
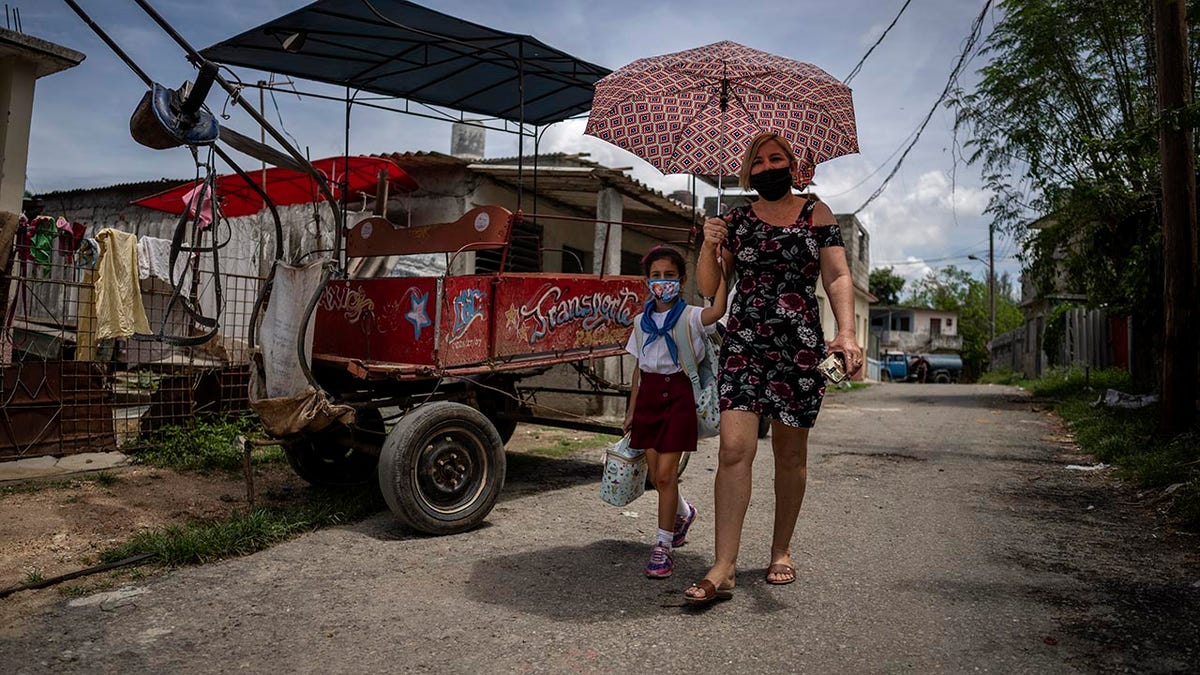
<point>553,308</point>
<point>353,303</point>
<point>416,314</point>
<point>468,308</point>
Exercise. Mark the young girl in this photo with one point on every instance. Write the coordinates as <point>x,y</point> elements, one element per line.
<point>661,416</point>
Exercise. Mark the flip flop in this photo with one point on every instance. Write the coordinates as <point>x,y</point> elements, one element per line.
<point>711,594</point>
<point>780,568</point>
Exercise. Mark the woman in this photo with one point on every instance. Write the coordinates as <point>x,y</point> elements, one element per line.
<point>776,246</point>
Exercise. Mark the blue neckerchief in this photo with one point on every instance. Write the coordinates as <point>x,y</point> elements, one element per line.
<point>653,331</point>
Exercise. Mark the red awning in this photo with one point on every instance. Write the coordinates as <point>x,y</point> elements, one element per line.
<point>285,186</point>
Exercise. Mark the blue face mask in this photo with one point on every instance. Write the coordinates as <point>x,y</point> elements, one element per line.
<point>664,290</point>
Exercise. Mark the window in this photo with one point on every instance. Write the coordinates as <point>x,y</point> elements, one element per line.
<point>631,264</point>
<point>864,245</point>
<point>902,323</point>
<point>576,261</point>
<point>524,253</point>
<point>949,322</point>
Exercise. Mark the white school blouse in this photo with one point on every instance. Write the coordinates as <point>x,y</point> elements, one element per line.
<point>656,358</point>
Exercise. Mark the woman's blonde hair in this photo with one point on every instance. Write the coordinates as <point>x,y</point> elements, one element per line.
<point>756,144</point>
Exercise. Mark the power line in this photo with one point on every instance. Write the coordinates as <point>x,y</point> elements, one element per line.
<point>885,32</point>
<point>968,47</point>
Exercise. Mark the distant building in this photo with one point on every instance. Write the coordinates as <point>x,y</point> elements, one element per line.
<point>915,329</point>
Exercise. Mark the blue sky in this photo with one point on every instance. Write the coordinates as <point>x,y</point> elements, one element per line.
<point>932,210</point>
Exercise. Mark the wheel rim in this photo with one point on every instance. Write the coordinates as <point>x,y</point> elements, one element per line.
<point>451,470</point>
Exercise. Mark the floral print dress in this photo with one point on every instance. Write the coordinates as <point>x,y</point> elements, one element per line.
<point>774,339</point>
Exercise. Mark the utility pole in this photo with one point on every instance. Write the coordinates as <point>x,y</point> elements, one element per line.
<point>1178,409</point>
<point>992,279</point>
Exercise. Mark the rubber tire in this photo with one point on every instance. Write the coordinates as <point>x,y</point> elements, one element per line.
<point>410,498</point>
<point>941,378</point>
<point>330,459</point>
<point>764,427</point>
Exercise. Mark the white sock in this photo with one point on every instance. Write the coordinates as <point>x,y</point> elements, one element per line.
<point>683,509</point>
<point>665,537</point>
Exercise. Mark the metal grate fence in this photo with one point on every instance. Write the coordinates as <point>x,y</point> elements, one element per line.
<point>63,391</point>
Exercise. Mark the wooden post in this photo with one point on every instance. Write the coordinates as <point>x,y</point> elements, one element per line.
<point>1179,218</point>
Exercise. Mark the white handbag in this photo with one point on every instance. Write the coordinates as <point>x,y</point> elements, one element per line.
<point>625,471</point>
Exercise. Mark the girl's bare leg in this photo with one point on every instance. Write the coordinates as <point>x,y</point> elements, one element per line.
<point>664,473</point>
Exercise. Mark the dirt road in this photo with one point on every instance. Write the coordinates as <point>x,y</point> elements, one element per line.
<point>941,531</point>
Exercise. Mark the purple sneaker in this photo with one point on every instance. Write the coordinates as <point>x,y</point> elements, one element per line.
<point>661,564</point>
<point>682,525</point>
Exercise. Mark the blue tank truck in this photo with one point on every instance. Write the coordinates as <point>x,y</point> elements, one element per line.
<point>905,367</point>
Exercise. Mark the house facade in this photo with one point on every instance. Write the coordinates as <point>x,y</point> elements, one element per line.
<point>915,329</point>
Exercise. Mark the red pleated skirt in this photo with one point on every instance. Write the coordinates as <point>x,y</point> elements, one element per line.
<point>665,417</point>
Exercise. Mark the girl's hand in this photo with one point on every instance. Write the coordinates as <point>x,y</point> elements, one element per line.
<point>715,231</point>
<point>628,424</point>
<point>848,346</point>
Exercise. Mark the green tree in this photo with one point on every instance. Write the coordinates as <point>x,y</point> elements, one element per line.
<point>1063,125</point>
<point>886,285</point>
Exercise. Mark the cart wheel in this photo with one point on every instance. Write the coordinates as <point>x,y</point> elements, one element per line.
<point>441,468</point>
<point>335,456</point>
<point>764,426</point>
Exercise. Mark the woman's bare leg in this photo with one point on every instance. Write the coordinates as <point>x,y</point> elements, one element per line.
<point>791,477</point>
<point>739,442</point>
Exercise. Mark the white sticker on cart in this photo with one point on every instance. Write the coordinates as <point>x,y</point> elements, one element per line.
<point>367,229</point>
<point>482,221</point>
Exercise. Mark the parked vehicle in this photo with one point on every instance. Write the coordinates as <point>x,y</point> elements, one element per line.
<point>904,367</point>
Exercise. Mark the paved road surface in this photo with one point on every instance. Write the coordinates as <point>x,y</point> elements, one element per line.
<point>941,532</point>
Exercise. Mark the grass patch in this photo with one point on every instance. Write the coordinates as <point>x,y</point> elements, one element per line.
<point>206,446</point>
<point>33,487</point>
<point>1069,383</point>
<point>846,385</point>
<point>244,533</point>
<point>1127,438</point>
<point>1001,376</point>
<point>568,446</point>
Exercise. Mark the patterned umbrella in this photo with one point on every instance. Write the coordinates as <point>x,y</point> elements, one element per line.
<point>695,111</point>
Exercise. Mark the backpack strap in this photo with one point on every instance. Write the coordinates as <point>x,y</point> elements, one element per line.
<point>687,357</point>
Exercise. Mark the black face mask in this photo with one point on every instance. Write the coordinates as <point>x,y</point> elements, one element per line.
<point>772,184</point>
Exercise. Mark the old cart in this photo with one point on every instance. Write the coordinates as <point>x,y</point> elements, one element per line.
<point>447,353</point>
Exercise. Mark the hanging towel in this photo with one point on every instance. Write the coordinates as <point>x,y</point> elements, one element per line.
<point>154,260</point>
<point>199,204</point>
<point>119,310</point>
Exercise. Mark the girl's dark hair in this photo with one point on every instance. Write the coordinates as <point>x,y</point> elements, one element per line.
<point>670,253</point>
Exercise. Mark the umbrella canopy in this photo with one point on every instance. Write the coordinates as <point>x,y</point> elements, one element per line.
<point>284,186</point>
<point>695,111</point>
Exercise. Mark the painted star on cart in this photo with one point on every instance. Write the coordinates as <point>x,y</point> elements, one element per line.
<point>417,315</point>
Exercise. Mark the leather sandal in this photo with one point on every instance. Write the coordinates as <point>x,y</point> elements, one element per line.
<point>711,594</point>
<point>780,569</point>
